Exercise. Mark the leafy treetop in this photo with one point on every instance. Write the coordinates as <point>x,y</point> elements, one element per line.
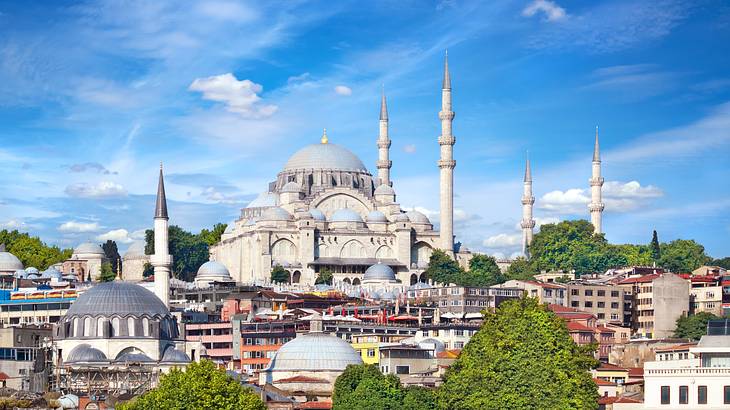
<point>31,250</point>
<point>364,387</point>
<point>693,326</point>
<point>279,274</point>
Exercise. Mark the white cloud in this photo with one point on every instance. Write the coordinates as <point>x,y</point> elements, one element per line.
<point>503,241</point>
<point>12,224</point>
<point>618,197</point>
<point>78,227</point>
<point>343,90</point>
<point>116,235</point>
<point>240,97</point>
<point>552,11</point>
<point>409,149</point>
<point>104,189</point>
<point>572,201</point>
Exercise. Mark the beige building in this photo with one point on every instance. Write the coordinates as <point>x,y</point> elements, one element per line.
<point>550,293</point>
<point>85,262</point>
<point>134,261</point>
<point>607,302</point>
<point>658,300</point>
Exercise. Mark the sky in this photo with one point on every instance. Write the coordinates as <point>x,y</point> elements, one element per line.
<point>95,95</point>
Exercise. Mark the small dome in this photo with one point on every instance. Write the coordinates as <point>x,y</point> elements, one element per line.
<point>9,262</point>
<point>135,250</point>
<point>292,187</point>
<point>317,214</point>
<point>401,218</point>
<point>20,274</point>
<point>212,271</point>
<point>379,272</point>
<point>173,355</point>
<point>314,351</point>
<point>117,298</point>
<point>384,190</point>
<point>420,285</point>
<point>431,343</point>
<point>84,353</point>
<point>265,199</point>
<point>133,357</point>
<point>276,214</point>
<point>251,222</point>
<point>32,276</point>
<point>88,248</point>
<point>376,216</point>
<point>52,273</point>
<point>32,271</point>
<point>417,217</point>
<point>345,215</point>
<point>324,156</point>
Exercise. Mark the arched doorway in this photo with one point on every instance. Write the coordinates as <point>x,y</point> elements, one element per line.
<point>296,277</point>
<point>356,281</point>
<point>347,280</point>
<point>424,277</point>
<point>414,279</point>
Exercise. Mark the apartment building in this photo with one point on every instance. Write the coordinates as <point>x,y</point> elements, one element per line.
<point>658,300</point>
<point>461,299</point>
<point>609,303</point>
<point>256,343</point>
<point>215,337</point>
<point>705,294</point>
<point>550,293</point>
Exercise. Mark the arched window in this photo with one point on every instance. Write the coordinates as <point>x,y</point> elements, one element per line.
<point>414,279</point>
<point>87,326</point>
<point>115,327</point>
<point>77,327</point>
<point>100,327</point>
<point>284,250</point>
<point>346,280</point>
<point>384,252</point>
<point>356,281</point>
<point>424,277</point>
<point>296,277</point>
<point>145,326</point>
<point>353,249</point>
<point>131,331</point>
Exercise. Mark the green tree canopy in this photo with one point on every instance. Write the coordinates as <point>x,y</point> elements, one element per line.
<point>483,271</point>
<point>364,387</point>
<point>31,250</point>
<point>188,251</point>
<point>214,236</point>
<point>656,251</point>
<point>107,274</point>
<point>682,256</point>
<point>201,386</point>
<point>693,326</point>
<point>112,254</point>
<point>442,269</point>
<point>722,262</point>
<point>522,358</point>
<point>324,277</point>
<point>279,275</point>
<point>520,269</point>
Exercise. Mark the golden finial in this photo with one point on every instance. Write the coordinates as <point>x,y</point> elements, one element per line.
<point>324,136</point>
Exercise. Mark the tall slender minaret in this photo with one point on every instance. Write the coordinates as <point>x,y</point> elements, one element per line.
<point>161,260</point>
<point>528,224</point>
<point>446,163</point>
<point>596,181</point>
<point>384,163</point>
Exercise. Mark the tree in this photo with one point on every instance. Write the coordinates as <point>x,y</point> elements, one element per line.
<point>682,256</point>
<point>214,236</point>
<point>279,274</point>
<point>31,250</point>
<point>188,251</point>
<point>200,386</point>
<point>693,326</point>
<point>418,398</point>
<point>148,271</point>
<point>521,358</point>
<point>722,262</point>
<point>655,248</point>
<point>568,245</point>
<point>107,274</point>
<point>483,271</point>
<point>112,254</point>
<point>441,268</point>
<point>364,387</point>
<point>324,277</point>
<point>520,269</point>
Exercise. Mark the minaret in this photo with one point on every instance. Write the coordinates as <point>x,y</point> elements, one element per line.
<point>446,163</point>
<point>596,181</point>
<point>384,163</point>
<point>161,260</point>
<point>528,224</point>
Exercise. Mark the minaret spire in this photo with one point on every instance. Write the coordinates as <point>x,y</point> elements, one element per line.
<point>384,163</point>
<point>161,260</point>
<point>527,224</point>
<point>446,164</point>
<point>596,206</point>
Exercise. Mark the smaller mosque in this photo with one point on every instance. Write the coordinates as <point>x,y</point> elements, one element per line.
<point>134,261</point>
<point>85,262</point>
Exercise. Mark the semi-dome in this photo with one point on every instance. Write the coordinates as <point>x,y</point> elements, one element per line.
<point>84,353</point>
<point>230,226</point>
<point>417,217</point>
<point>119,299</point>
<point>292,187</point>
<point>379,272</point>
<point>384,190</point>
<point>9,262</point>
<point>88,248</point>
<point>317,214</point>
<point>135,250</point>
<point>345,215</point>
<point>265,199</point>
<point>376,216</point>
<point>325,156</point>
<point>314,351</point>
<point>21,274</point>
<point>276,214</point>
<point>173,355</point>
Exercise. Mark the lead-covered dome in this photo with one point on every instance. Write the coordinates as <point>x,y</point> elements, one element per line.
<point>325,156</point>
<point>117,298</point>
<point>292,187</point>
<point>135,250</point>
<point>345,215</point>
<point>314,351</point>
<point>379,272</point>
<point>212,271</point>
<point>84,353</point>
<point>417,217</point>
<point>9,262</point>
<point>88,248</point>
<point>376,216</point>
<point>276,214</point>
<point>173,355</point>
<point>317,214</point>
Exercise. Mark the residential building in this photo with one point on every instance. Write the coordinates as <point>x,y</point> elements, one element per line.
<point>368,345</point>
<point>461,299</point>
<point>658,301</point>
<point>407,360</point>
<point>256,343</point>
<point>452,335</point>
<point>550,277</point>
<point>33,306</point>
<point>705,294</point>
<point>19,346</point>
<point>607,302</point>
<point>550,293</point>
<point>217,339</point>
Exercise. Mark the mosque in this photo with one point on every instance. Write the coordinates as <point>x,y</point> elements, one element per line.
<point>325,210</point>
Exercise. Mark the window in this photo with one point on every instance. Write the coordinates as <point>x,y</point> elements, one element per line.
<point>614,316</point>
<point>601,304</point>
<point>614,293</point>
<point>588,292</point>
<point>601,316</point>
<point>683,395</point>
<point>701,394</point>
<point>601,293</point>
<point>727,394</point>
<point>575,304</point>
<point>665,395</point>
<point>614,305</point>
<point>371,352</point>
<point>574,292</point>
<point>588,304</point>
<point>402,369</point>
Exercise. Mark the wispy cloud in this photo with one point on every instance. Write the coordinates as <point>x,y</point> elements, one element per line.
<point>104,189</point>
<point>549,9</point>
<point>78,227</point>
<point>238,96</point>
<point>91,166</point>
<point>343,90</point>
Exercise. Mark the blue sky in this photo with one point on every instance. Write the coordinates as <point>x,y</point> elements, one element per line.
<point>93,95</point>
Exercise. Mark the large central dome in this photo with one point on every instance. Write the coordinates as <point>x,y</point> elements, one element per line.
<point>325,156</point>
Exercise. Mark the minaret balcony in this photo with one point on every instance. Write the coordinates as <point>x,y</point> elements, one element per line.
<point>446,115</point>
<point>447,140</point>
<point>384,164</point>
<point>596,181</point>
<point>449,164</point>
<point>528,200</point>
<point>596,207</point>
<point>528,224</point>
<point>384,143</point>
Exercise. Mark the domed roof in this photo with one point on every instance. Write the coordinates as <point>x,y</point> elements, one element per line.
<point>173,355</point>
<point>20,273</point>
<point>314,351</point>
<point>52,273</point>
<point>135,250</point>
<point>431,343</point>
<point>384,190</point>
<point>317,214</point>
<point>387,295</point>
<point>379,271</point>
<point>9,262</point>
<point>31,271</point>
<point>133,357</point>
<point>401,218</point>
<point>276,214</point>
<point>417,217</point>
<point>345,215</point>
<point>251,222</point>
<point>213,271</point>
<point>84,353</point>
<point>117,298</point>
<point>89,248</point>
<point>325,156</point>
<point>230,226</point>
<point>291,187</point>
<point>420,285</point>
<point>32,276</point>
<point>264,199</point>
<point>376,216</point>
